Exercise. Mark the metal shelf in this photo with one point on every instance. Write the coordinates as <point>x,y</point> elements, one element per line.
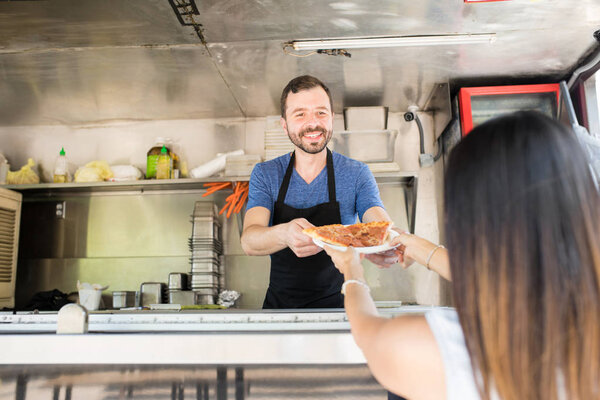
<point>126,186</point>
<point>48,189</point>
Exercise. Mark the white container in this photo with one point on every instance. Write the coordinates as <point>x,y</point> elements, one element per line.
<point>365,118</point>
<point>366,146</point>
<point>90,298</point>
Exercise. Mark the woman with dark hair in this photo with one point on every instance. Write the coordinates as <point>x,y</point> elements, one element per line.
<point>522,221</point>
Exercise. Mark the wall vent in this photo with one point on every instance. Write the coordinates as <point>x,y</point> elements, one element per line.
<point>10,214</point>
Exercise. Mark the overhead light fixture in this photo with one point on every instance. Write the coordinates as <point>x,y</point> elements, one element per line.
<point>392,41</point>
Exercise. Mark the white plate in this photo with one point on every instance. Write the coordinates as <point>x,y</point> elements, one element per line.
<point>364,250</point>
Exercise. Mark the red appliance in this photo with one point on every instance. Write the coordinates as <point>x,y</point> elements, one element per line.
<point>478,104</point>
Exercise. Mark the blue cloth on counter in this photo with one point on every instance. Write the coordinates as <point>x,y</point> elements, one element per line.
<point>355,187</point>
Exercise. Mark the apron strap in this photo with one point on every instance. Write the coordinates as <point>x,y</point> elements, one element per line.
<point>330,177</point>
<point>286,179</point>
<point>288,176</point>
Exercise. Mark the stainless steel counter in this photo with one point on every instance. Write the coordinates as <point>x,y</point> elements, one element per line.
<point>200,337</point>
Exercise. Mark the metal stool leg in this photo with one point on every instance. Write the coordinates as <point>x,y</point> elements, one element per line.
<point>221,383</point>
<point>239,384</point>
<point>21,387</point>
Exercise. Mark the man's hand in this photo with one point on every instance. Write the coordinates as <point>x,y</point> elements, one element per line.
<point>301,244</point>
<point>385,259</point>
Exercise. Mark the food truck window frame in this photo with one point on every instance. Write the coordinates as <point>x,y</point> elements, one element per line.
<point>466,94</point>
<point>588,92</point>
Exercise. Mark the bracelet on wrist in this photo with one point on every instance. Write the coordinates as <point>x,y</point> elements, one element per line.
<point>355,281</point>
<point>431,253</point>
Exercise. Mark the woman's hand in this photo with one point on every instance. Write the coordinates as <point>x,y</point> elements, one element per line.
<point>414,248</point>
<point>347,262</point>
<point>404,242</point>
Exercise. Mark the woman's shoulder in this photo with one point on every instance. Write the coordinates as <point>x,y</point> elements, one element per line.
<point>460,380</point>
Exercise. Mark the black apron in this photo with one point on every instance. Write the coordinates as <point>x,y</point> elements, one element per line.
<point>307,282</point>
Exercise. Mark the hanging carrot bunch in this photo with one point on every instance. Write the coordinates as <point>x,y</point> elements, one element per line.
<point>235,201</point>
<point>213,187</point>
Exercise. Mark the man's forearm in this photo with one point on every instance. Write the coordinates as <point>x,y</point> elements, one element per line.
<point>263,240</point>
<point>375,214</point>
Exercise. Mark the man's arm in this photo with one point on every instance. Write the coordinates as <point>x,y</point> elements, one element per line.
<point>390,257</point>
<point>259,239</point>
<point>376,214</point>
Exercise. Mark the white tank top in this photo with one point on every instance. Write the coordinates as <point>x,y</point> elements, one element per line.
<point>460,381</point>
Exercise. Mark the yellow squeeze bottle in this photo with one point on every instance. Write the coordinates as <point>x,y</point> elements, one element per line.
<point>164,164</point>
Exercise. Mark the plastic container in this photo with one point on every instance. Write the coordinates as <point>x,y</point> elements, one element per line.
<point>352,144</point>
<point>90,298</point>
<point>164,164</point>
<point>123,299</point>
<point>365,118</point>
<point>153,155</point>
<point>61,168</point>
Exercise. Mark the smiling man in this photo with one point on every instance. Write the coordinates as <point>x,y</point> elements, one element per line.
<point>311,186</point>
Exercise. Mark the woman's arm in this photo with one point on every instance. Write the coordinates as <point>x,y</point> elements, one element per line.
<point>414,248</point>
<point>401,352</point>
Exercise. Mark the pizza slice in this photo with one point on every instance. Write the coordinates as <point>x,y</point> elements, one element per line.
<point>357,235</point>
<point>369,234</point>
<point>335,234</point>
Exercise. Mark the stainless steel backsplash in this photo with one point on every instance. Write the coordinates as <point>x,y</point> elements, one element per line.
<point>122,240</point>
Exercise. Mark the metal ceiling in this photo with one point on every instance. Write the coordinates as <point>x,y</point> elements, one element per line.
<point>88,61</point>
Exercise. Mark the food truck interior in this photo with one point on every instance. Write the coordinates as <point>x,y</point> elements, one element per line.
<point>104,79</point>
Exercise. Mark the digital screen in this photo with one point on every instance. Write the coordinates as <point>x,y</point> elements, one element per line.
<point>485,107</point>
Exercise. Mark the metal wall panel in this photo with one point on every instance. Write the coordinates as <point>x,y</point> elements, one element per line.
<point>69,62</point>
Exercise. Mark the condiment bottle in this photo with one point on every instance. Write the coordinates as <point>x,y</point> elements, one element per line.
<point>61,168</point>
<point>164,165</point>
<point>152,158</point>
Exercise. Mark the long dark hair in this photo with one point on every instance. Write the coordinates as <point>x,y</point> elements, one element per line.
<point>523,229</point>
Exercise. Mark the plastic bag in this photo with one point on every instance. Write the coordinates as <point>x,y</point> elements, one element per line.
<point>94,171</point>
<point>227,298</point>
<point>125,173</point>
<point>25,175</point>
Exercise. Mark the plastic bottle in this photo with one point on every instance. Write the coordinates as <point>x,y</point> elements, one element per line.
<point>172,146</point>
<point>164,165</point>
<point>152,158</point>
<point>61,168</point>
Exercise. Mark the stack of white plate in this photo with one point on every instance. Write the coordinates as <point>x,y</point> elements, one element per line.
<point>241,165</point>
<point>277,143</point>
<point>206,246</point>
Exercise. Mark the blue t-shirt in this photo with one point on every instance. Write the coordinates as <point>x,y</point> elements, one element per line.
<point>355,187</point>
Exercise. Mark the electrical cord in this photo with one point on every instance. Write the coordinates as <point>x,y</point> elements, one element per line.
<point>421,135</point>
<point>439,151</point>
<point>409,116</point>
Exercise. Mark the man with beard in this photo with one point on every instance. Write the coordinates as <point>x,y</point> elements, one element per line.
<point>310,187</point>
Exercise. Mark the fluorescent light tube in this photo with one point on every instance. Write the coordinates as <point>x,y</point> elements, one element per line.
<point>392,41</point>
